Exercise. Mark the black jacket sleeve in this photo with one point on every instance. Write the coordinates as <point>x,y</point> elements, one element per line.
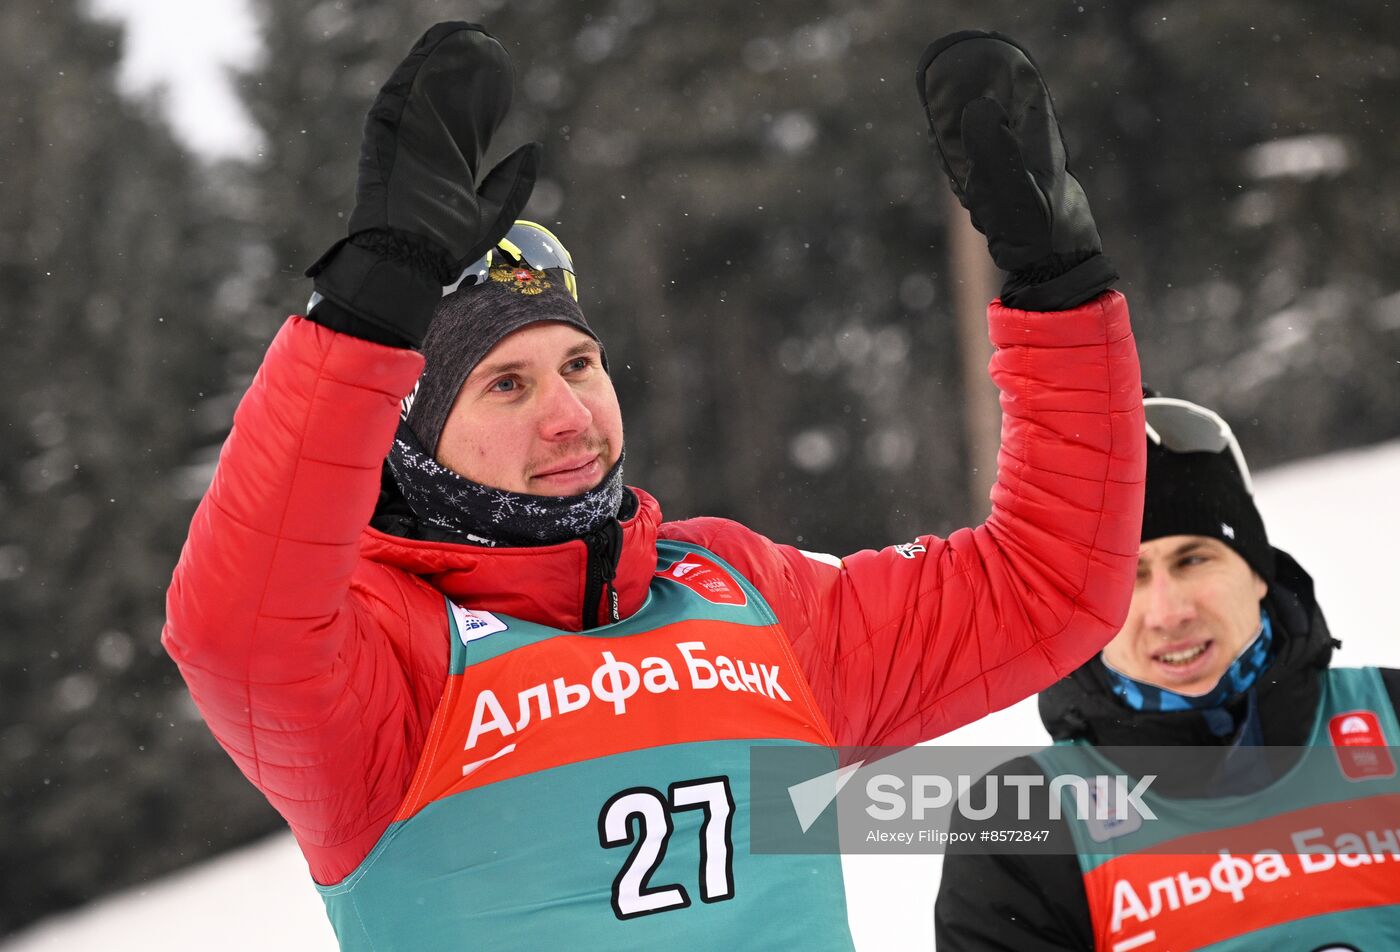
<point>1004,898</point>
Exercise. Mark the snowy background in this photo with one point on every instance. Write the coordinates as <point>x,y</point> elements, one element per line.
<point>1336,515</point>
<point>772,272</point>
<point>182,52</point>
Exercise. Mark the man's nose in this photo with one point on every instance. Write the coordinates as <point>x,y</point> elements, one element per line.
<point>1168,602</point>
<point>562,413</point>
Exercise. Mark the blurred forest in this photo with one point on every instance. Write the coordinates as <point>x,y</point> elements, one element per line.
<point>761,234</point>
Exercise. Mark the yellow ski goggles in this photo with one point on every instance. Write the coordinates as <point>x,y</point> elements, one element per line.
<point>527,243</point>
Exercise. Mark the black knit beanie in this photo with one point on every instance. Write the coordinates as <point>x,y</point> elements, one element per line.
<point>472,320</point>
<point>1203,494</point>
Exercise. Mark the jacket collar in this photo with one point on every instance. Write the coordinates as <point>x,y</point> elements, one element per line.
<point>541,584</point>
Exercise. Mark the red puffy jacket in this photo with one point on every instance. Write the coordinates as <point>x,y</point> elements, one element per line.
<point>317,647</point>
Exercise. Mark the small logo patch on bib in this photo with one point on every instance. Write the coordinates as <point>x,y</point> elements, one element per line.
<point>706,579</point>
<point>1359,743</point>
<point>474,624</point>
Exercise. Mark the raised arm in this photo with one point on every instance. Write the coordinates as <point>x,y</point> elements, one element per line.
<point>287,669</point>
<point>914,640</point>
<point>907,643</point>
<point>295,649</point>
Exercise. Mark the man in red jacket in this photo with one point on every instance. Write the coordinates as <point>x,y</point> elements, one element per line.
<point>500,702</point>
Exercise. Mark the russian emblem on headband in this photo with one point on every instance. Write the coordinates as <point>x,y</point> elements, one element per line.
<point>520,278</point>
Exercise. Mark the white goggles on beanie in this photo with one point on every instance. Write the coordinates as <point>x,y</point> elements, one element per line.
<point>1185,427</point>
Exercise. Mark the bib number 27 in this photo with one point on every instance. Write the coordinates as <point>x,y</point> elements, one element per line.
<point>632,892</point>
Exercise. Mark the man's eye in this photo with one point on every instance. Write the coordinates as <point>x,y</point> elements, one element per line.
<point>578,363</point>
<point>1190,560</point>
<point>505,385</point>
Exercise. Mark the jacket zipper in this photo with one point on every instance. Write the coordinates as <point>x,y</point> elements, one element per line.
<point>604,545</point>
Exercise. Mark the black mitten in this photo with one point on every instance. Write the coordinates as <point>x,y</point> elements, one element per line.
<point>419,217</point>
<point>993,125</point>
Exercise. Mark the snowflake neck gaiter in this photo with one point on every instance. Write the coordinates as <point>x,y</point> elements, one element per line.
<point>496,517</point>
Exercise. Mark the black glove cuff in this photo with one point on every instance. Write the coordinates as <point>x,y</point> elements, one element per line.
<point>329,314</point>
<point>392,295</point>
<point>1059,284</point>
<point>407,248</point>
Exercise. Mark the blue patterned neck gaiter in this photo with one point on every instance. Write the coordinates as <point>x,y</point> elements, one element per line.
<point>1238,678</point>
<point>486,516</point>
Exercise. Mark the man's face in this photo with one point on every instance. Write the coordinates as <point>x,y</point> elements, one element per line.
<point>538,415</point>
<point>1195,608</point>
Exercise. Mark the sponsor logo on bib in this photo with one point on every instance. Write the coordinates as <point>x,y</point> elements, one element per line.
<point>474,624</point>
<point>1360,746</point>
<point>706,579</point>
